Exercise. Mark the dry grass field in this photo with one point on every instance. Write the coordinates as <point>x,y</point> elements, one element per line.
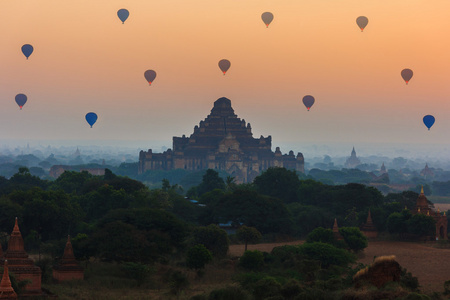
<point>429,264</point>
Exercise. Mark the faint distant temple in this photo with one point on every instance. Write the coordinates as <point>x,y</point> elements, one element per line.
<point>57,170</point>
<point>427,172</point>
<point>68,267</point>
<point>369,229</point>
<point>352,161</point>
<point>423,207</point>
<point>222,142</point>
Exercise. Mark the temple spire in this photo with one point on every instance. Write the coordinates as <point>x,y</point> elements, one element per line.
<point>15,243</point>
<point>6,290</point>
<point>421,190</point>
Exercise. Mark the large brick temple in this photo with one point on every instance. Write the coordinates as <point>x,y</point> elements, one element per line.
<point>222,142</point>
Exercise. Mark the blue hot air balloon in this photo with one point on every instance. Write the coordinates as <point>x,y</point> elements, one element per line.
<point>21,99</point>
<point>123,14</point>
<point>308,101</point>
<point>91,118</point>
<point>27,49</point>
<point>428,120</point>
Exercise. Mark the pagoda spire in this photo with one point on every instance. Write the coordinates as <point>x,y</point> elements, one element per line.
<point>68,251</point>
<point>336,233</point>
<point>421,190</point>
<point>6,290</point>
<point>15,243</point>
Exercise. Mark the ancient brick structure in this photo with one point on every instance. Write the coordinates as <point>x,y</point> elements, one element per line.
<point>6,290</point>
<point>68,267</point>
<point>222,142</point>
<point>19,263</point>
<point>337,235</point>
<point>423,207</point>
<point>384,269</point>
<point>352,161</point>
<point>369,229</point>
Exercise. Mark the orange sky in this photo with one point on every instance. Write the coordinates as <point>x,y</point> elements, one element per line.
<point>86,60</point>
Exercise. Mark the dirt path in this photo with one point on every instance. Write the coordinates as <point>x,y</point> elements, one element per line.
<point>430,265</point>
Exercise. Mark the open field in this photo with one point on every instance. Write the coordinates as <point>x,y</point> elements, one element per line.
<point>430,265</point>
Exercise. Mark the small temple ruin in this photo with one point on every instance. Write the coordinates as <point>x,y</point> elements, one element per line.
<point>423,207</point>
<point>6,290</point>
<point>369,229</point>
<point>18,262</point>
<point>68,267</point>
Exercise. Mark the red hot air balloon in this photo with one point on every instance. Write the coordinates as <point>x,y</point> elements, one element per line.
<point>407,74</point>
<point>150,75</point>
<point>362,22</point>
<point>267,18</point>
<point>308,101</point>
<point>224,65</point>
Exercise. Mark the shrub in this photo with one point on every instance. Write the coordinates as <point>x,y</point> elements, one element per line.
<point>248,280</point>
<point>354,238</point>
<point>322,235</point>
<point>197,257</point>
<point>408,281</point>
<point>213,238</point>
<point>266,287</point>
<point>229,293</point>
<point>137,271</point>
<point>291,289</point>
<point>327,254</point>
<point>252,260</point>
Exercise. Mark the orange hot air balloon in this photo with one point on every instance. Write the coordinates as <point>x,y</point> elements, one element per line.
<point>224,65</point>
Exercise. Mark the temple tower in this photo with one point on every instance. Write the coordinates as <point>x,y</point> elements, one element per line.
<point>68,268</point>
<point>19,263</point>
<point>6,290</point>
<point>336,233</point>
<point>369,229</point>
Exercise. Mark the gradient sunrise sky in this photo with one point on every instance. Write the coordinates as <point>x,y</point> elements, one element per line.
<point>86,60</point>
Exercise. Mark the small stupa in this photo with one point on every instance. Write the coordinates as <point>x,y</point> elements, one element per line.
<point>6,290</point>
<point>336,233</point>
<point>19,263</point>
<point>68,267</point>
<point>369,229</point>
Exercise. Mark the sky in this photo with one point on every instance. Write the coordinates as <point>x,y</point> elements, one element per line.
<point>86,60</point>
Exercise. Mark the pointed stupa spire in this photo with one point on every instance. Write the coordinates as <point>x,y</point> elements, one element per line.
<point>68,251</point>
<point>421,190</point>
<point>369,218</point>
<point>6,290</point>
<point>15,243</point>
<point>336,233</point>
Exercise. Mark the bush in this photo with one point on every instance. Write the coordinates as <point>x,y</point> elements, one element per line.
<point>266,287</point>
<point>327,254</point>
<point>252,260</point>
<point>291,289</point>
<point>213,238</point>
<point>354,238</point>
<point>408,281</point>
<point>197,257</point>
<point>248,280</point>
<point>137,271</point>
<point>322,235</point>
<point>177,282</point>
<point>229,293</point>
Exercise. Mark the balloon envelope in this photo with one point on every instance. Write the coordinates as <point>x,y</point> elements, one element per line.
<point>308,101</point>
<point>91,118</point>
<point>27,49</point>
<point>21,99</point>
<point>428,120</point>
<point>407,74</point>
<point>224,65</point>
<point>150,75</point>
<point>267,18</point>
<point>362,22</point>
<point>123,14</point>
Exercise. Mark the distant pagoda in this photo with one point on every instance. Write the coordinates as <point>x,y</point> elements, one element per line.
<point>369,229</point>
<point>353,160</point>
<point>6,290</point>
<point>68,267</point>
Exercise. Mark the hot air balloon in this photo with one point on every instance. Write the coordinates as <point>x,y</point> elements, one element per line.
<point>308,101</point>
<point>267,18</point>
<point>428,120</point>
<point>362,22</point>
<point>123,14</point>
<point>150,75</point>
<point>224,65</point>
<point>27,49</point>
<point>21,99</point>
<point>407,74</point>
<point>91,118</point>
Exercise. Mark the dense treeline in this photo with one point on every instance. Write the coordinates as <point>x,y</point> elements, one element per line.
<point>117,218</point>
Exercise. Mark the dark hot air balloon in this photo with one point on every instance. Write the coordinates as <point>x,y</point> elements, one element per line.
<point>267,18</point>
<point>407,74</point>
<point>362,22</point>
<point>21,99</point>
<point>224,65</point>
<point>150,75</point>
<point>91,118</point>
<point>123,14</point>
<point>27,49</point>
<point>428,120</point>
<point>308,101</point>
